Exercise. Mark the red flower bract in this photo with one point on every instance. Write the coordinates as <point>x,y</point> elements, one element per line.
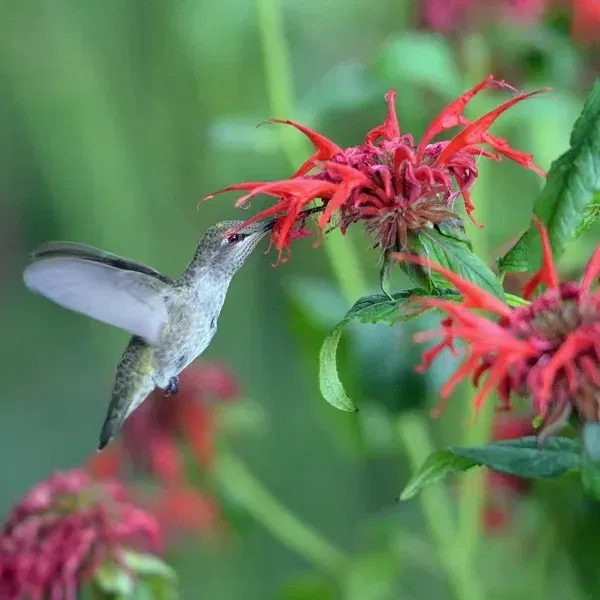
<point>391,183</point>
<point>548,350</point>
<point>63,530</point>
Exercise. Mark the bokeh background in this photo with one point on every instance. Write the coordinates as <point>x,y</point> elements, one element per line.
<point>117,117</point>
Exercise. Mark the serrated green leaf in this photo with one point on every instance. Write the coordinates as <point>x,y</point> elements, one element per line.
<point>524,457</point>
<point>568,203</point>
<point>520,457</point>
<point>592,212</point>
<point>420,59</point>
<point>370,309</point>
<point>454,253</point>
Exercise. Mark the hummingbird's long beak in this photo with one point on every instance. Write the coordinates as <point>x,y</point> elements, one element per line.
<point>270,223</point>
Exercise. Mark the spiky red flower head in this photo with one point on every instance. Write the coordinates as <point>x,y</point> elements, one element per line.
<point>63,530</point>
<point>548,350</point>
<point>389,182</point>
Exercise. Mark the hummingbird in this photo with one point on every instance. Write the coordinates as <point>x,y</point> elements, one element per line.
<point>172,321</point>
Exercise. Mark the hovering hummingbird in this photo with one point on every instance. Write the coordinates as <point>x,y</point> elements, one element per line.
<point>172,320</point>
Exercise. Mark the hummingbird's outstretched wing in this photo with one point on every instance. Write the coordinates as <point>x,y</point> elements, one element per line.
<point>106,287</point>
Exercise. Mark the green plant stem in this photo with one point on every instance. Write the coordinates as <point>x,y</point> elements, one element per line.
<point>477,432</point>
<point>340,251</point>
<point>413,432</point>
<point>242,486</point>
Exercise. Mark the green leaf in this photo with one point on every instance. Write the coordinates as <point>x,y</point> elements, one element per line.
<point>520,457</point>
<point>424,59</point>
<point>449,248</point>
<point>591,213</point>
<point>110,578</point>
<point>143,564</point>
<point>590,458</point>
<point>370,309</point>
<point>569,201</point>
<point>437,466</point>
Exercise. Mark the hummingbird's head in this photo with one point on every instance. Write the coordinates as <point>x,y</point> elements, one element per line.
<point>226,245</point>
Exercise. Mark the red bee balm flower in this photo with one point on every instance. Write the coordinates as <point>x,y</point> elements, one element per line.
<point>63,531</point>
<point>392,184</point>
<point>548,350</point>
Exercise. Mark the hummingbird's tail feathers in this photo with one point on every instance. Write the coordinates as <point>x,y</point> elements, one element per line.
<point>130,300</point>
<point>128,394</point>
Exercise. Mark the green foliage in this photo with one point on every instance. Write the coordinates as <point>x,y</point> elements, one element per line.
<point>141,577</point>
<point>370,309</point>
<point>521,457</point>
<point>450,249</point>
<point>568,204</point>
<point>422,59</point>
<point>590,463</point>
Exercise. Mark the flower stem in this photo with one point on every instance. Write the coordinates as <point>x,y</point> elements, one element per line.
<point>472,498</point>
<point>340,251</point>
<point>241,485</point>
<point>413,431</point>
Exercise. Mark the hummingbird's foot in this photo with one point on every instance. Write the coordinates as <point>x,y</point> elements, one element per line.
<point>172,387</point>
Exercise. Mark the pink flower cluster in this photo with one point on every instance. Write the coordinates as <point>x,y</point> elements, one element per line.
<point>63,530</point>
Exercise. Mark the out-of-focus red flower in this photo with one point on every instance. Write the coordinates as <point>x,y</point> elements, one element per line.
<point>63,530</point>
<point>502,490</point>
<point>548,350</point>
<point>585,26</point>
<point>181,508</point>
<point>155,437</point>
<point>389,182</point>
<point>457,15</point>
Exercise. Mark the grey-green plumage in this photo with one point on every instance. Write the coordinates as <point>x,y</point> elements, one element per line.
<point>172,321</point>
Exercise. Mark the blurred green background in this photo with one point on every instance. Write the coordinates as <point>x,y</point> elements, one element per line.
<point>118,116</point>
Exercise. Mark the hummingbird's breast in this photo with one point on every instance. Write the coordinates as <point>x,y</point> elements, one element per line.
<point>191,325</point>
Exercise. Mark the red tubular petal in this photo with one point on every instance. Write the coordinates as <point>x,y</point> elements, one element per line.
<point>474,133</point>
<point>390,129</point>
<point>326,149</point>
<point>461,373</point>
<point>495,377</point>
<point>469,207</point>
<point>245,186</point>
<point>523,158</point>
<point>592,272</point>
<point>547,273</point>
<point>565,353</point>
<point>474,296</point>
<point>450,116</point>
<point>351,179</point>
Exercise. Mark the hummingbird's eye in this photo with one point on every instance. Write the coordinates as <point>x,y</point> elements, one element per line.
<point>233,238</point>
